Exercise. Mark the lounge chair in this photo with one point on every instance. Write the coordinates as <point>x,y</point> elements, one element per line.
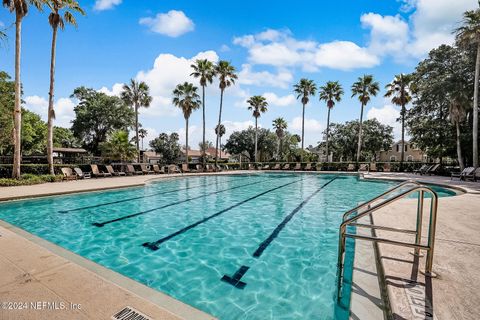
<point>218,168</point>
<point>277,167</point>
<point>199,168</point>
<point>209,168</point>
<point>226,167</point>
<point>174,169</point>
<point>157,169</point>
<point>351,167</point>
<point>266,167</point>
<point>298,166</point>
<point>308,167</point>
<point>286,166</point>
<point>363,167</point>
<point>461,175</point>
<point>422,169</point>
<point>113,172</point>
<point>185,168</point>
<point>97,173</point>
<point>474,176</point>
<point>433,169</point>
<point>68,174</point>
<point>145,170</point>
<point>251,166</point>
<point>81,174</point>
<point>387,167</point>
<point>373,167</point>
<point>131,170</point>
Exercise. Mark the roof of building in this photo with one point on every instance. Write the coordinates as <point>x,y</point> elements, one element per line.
<point>222,155</point>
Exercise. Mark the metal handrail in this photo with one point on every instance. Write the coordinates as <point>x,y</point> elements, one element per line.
<point>421,189</point>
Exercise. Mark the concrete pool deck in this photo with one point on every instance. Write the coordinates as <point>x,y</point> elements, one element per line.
<point>35,270</point>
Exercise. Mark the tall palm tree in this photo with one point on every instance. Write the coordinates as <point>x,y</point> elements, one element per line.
<point>304,89</point>
<point>399,90</point>
<point>280,125</point>
<point>20,8</point>
<point>469,34</point>
<point>226,76</point>
<point>205,71</point>
<point>185,97</point>
<point>142,133</point>
<point>62,13</point>
<point>258,105</point>
<point>330,93</point>
<point>458,113</point>
<point>365,87</point>
<point>220,131</point>
<point>137,95</point>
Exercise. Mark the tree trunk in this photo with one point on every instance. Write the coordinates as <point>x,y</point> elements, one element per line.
<point>218,128</point>
<point>17,120</point>
<point>51,111</point>
<point>475,109</point>
<point>136,132</point>
<point>303,124</point>
<point>256,128</point>
<point>402,157</point>
<point>278,148</point>
<point>328,130</point>
<point>204,155</point>
<point>359,146</point>
<point>186,140</point>
<point>459,147</point>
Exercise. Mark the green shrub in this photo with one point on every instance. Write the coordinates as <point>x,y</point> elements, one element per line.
<point>29,179</point>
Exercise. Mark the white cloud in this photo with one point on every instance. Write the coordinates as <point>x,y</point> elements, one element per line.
<point>388,34</point>
<point>387,115</point>
<point>344,55</point>
<point>279,101</point>
<point>224,48</point>
<point>117,88</point>
<point>63,107</point>
<point>101,5</point>
<point>281,79</point>
<point>173,23</point>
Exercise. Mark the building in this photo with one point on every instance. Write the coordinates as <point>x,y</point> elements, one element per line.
<point>395,153</point>
<point>194,155</point>
<point>223,156</point>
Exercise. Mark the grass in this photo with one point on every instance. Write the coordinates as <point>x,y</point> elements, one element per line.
<point>29,179</point>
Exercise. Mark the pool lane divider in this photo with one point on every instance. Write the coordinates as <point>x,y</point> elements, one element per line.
<point>155,245</point>
<point>141,197</point>
<point>235,280</point>
<point>101,224</point>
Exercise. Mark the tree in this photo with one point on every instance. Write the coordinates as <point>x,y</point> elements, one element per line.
<point>137,95</point>
<point>205,146</point>
<point>118,147</point>
<point>258,105</point>
<point>220,131</point>
<point>185,97</point>
<point>242,142</point>
<point>330,93</point>
<point>20,7</point>
<point>468,34</point>
<point>205,71</point>
<point>167,146</point>
<point>7,103</point>
<point>64,138</point>
<point>34,132</point>
<point>142,133</point>
<point>457,112</point>
<point>280,125</point>
<point>399,90</point>
<point>98,115</point>
<point>365,87</point>
<point>304,89</point>
<point>226,76</point>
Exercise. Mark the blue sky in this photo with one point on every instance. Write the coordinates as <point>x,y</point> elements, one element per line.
<point>271,43</point>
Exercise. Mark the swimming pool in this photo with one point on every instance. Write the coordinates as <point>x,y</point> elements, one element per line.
<point>258,246</point>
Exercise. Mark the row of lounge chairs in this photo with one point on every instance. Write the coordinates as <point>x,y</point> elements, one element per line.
<point>467,174</point>
<point>312,167</point>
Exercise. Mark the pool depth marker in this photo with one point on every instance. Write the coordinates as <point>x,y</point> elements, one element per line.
<point>101,224</point>
<point>154,245</point>
<point>235,280</point>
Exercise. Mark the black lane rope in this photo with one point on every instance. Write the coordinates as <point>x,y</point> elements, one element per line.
<point>141,197</point>
<point>101,224</point>
<point>155,245</point>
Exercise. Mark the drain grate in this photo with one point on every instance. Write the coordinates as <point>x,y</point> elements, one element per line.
<point>130,314</point>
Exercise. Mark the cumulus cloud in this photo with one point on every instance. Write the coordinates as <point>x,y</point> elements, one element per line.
<point>388,34</point>
<point>280,79</point>
<point>117,88</point>
<point>64,113</point>
<point>173,23</point>
<point>280,101</point>
<point>101,5</point>
<point>344,55</point>
<point>387,115</point>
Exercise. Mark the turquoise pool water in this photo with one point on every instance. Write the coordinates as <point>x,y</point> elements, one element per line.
<point>272,237</point>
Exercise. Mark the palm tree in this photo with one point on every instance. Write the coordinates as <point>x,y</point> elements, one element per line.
<point>204,70</point>
<point>57,20</point>
<point>142,133</point>
<point>304,89</point>
<point>118,147</point>
<point>466,35</point>
<point>226,76</point>
<point>185,97</point>
<point>364,88</point>
<point>330,93</point>
<point>280,125</point>
<point>137,95</point>
<point>399,90</point>
<point>20,7</point>
<point>220,131</point>
<point>457,114</point>
<point>258,105</point>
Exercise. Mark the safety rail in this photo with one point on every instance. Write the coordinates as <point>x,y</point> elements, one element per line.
<point>351,221</point>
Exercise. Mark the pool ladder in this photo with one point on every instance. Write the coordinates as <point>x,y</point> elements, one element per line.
<point>348,220</point>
